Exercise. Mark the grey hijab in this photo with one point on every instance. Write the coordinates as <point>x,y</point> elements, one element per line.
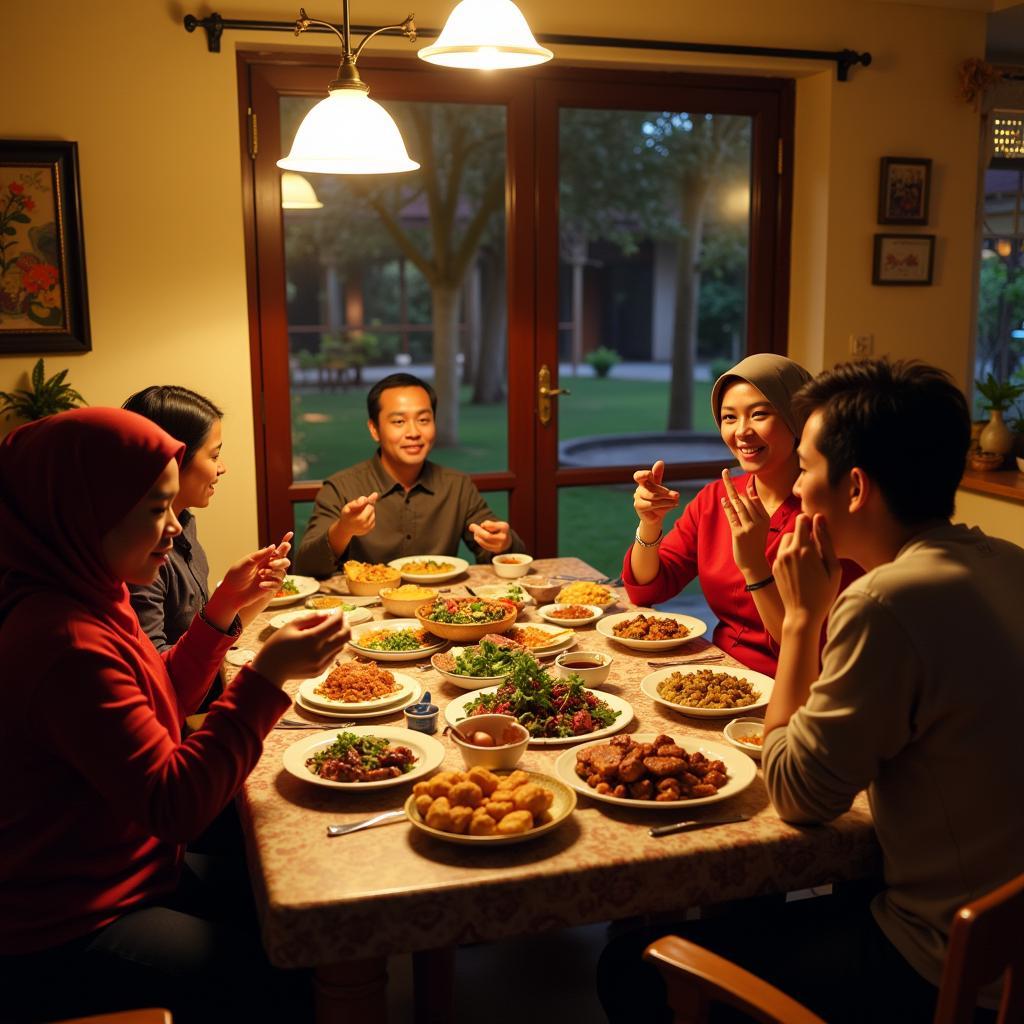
<point>776,377</point>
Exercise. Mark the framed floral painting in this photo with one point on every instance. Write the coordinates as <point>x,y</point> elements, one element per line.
<point>903,259</point>
<point>43,298</point>
<point>903,188</point>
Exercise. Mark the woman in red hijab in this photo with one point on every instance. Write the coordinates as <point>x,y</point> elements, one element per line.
<point>100,792</point>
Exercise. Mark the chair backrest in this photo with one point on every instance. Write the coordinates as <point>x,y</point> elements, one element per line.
<point>986,941</point>
<point>696,978</point>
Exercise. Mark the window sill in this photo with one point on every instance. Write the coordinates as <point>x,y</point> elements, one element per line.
<point>1003,483</point>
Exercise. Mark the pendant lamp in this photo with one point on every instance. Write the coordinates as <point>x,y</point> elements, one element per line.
<point>297,193</point>
<point>486,35</point>
<point>348,133</point>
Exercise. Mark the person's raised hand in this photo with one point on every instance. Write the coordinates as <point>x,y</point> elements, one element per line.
<point>748,523</point>
<point>492,535</point>
<point>652,500</point>
<point>302,648</point>
<point>359,516</point>
<point>250,579</point>
<point>807,571</point>
<point>279,565</point>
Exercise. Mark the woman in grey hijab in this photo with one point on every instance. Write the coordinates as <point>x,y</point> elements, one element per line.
<point>729,533</point>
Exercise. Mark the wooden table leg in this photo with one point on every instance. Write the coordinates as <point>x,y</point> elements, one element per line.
<point>433,975</point>
<point>352,990</point>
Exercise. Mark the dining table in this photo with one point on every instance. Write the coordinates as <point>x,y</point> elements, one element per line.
<point>343,905</point>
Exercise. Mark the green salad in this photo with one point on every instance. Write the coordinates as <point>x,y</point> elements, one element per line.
<point>486,659</point>
<point>394,640</point>
<point>465,611</point>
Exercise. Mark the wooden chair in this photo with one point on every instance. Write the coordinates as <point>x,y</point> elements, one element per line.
<point>986,941</point>
<point>151,1016</point>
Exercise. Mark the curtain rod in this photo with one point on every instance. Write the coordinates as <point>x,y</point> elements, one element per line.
<point>214,26</point>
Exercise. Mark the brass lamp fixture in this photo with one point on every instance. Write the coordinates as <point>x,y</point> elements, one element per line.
<point>348,133</point>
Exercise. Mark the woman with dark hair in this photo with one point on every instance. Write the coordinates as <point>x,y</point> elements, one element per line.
<point>167,606</point>
<point>98,907</point>
<point>729,533</point>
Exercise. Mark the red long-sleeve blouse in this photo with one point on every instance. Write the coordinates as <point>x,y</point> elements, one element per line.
<point>699,544</point>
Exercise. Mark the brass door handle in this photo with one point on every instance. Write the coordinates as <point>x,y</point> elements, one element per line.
<point>545,392</point>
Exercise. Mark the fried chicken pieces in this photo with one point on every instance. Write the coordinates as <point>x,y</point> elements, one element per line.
<point>480,803</point>
<point>660,770</point>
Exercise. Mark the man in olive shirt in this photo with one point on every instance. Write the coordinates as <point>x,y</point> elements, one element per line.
<point>397,502</point>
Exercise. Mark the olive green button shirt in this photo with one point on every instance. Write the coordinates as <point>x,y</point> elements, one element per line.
<point>429,519</point>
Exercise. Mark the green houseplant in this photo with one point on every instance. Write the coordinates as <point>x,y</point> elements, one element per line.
<point>603,359</point>
<point>45,397</point>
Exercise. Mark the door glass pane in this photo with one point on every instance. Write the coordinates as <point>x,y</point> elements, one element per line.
<point>654,210</point>
<point>999,348</point>
<point>402,273</point>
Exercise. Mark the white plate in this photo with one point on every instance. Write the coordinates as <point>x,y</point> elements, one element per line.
<point>566,641</point>
<point>396,625</point>
<point>458,566</point>
<point>456,713</point>
<point>354,617</point>
<point>359,600</point>
<point>406,686</point>
<point>390,709</point>
<point>494,591</point>
<point>609,622</point>
<point>307,586</point>
<point>429,754</point>
<point>741,773</point>
<point>562,806</point>
<point>596,611</point>
<point>761,683</point>
<point>465,682</point>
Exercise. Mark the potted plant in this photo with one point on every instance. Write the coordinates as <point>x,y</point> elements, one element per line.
<point>999,395</point>
<point>45,397</point>
<point>603,359</point>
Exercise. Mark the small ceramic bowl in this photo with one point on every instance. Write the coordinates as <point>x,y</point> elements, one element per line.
<point>502,756</point>
<point>405,607</point>
<point>510,567</point>
<point>422,717</point>
<point>739,728</point>
<point>984,462</point>
<point>540,588</point>
<point>591,666</point>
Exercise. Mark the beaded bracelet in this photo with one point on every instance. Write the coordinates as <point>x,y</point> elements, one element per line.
<point>649,543</point>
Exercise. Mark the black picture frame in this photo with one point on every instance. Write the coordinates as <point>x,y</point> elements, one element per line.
<point>904,187</point>
<point>44,301</point>
<point>903,260</point>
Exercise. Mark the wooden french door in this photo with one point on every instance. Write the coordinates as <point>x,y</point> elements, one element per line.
<point>529,470</point>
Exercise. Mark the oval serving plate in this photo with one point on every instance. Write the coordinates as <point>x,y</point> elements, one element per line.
<point>562,806</point>
<point>311,699</point>
<point>760,683</point>
<point>455,713</point>
<point>388,709</point>
<point>428,751</point>
<point>353,618</point>
<point>458,567</point>
<point>395,625</point>
<point>596,611</point>
<point>696,629</point>
<point>741,773</point>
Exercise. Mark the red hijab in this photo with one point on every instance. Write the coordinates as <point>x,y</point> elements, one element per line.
<point>65,481</point>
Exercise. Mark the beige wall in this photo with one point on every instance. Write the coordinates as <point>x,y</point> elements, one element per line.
<point>155,117</point>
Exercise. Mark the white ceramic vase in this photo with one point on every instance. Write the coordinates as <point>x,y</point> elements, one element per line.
<point>996,436</point>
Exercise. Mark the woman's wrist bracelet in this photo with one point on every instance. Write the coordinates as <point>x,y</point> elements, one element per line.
<point>649,543</point>
<point>766,582</point>
<point>234,630</point>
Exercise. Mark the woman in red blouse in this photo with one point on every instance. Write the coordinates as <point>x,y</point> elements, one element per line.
<point>98,908</point>
<point>729,533</point>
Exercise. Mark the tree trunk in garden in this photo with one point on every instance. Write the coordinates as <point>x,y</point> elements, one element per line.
<point>444,318</point>
<point>693,194</point>
<point>492,365</point>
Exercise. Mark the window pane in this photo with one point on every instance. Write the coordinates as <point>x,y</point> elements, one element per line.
<point>402,272</point>
<point>654,235</point>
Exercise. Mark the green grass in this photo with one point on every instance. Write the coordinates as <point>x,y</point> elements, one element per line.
<point>595,523</point>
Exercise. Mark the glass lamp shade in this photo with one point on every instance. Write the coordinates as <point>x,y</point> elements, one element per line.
<point>348,133</point>
<point>297,193</point>
<point>486,35</point>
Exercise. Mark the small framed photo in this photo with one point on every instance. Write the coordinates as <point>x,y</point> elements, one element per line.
<point>903,259</point>
<point>903,188</point>
<point>43,298</point>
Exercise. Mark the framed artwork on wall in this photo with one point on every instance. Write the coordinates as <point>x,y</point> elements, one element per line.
<point>43,298</point>
<point>903,187</point>
<point>903,259</point>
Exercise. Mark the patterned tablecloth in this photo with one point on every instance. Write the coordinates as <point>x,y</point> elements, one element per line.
<point>393,889</point>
